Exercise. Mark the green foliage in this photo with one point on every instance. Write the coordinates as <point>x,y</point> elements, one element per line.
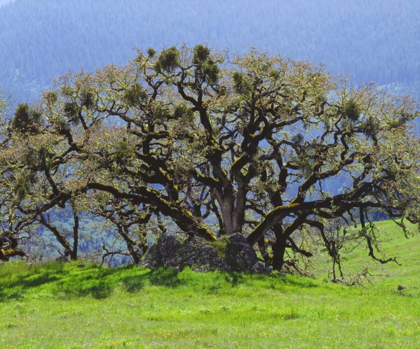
<point>2,105</point>
<point>51,97</point>
<point>238,80</point>
<point>160,113</point>
<point>370,127</point>
<point>87,98</point>
<point>397,122</point>
<point>71,110</point>
<point>151,52</point>
<point>168,60</point>
<point>220,246</point>
<point>211,70</point>
<point>134,94</point>
<point>201,54</point>
<point>38,158</point>
<point>24,183</point>
<point>274,74</point>
<point>67,91</point>
<point>183,112</point>
<point>122,151</point>
<point>298,139</point>
<point>351,110</point>
<point>26,119</point>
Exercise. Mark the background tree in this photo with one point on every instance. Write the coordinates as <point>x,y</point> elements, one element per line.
<point>371,41</point>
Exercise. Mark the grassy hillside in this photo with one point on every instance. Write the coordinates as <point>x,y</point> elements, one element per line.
<point>63,306</point>
<point>393,243</point>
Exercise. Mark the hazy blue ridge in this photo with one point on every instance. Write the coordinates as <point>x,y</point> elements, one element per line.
<point>42,39</point>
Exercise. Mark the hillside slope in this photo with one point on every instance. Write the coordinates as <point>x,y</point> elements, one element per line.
<point>63,306</point>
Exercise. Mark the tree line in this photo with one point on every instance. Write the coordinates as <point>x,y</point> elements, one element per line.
<point>41,39</point>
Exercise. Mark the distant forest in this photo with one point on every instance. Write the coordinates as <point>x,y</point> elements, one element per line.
<point>372,40</point>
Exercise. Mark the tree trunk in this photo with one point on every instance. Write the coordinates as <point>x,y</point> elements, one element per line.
<point>233,217</point>
<point>279,250</point>
<point>262,245</point>
<point>73,254</point>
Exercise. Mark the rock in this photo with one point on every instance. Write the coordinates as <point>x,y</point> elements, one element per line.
<point>161,252</point>
<point>196,253</point>
<point>200,255</point>
<point>258,268</point>
<point>269,269</point>
<point>240,255</point>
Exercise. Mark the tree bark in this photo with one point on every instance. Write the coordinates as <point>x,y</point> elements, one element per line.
<point>279,250</point>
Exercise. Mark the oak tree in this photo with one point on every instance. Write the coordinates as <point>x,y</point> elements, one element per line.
<point>215,145</point>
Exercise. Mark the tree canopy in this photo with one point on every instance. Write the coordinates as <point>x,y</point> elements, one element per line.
<point>194,140</point>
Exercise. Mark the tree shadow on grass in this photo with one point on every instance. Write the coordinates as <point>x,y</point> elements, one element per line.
<point>133,284</point>
<point>272,280</point>
<point>234,279</point>
<point>68,281</point>
<point>32,281</point>
<point>97,288</point>
<point>105,281</point>
<point>294,280</point>
<point>64,281</point>
<point>56,279</point>
<point>14,286</point>
<point>165,277</point>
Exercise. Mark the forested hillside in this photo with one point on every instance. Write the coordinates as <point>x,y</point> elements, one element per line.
<point>4,2</point>
<point>41,39</point>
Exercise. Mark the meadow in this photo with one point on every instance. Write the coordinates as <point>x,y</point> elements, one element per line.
<point>58,305</point>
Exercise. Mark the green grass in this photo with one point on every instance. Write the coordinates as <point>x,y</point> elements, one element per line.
<point>393,243</point>
<point>63,306</point>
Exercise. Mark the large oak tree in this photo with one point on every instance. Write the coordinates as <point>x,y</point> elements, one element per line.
<point>256,144</point>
